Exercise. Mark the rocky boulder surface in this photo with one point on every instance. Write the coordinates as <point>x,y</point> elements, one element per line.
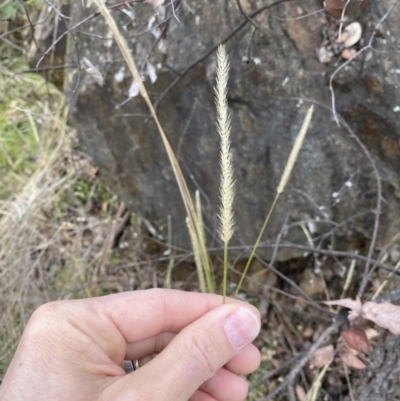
<point>279,66</point>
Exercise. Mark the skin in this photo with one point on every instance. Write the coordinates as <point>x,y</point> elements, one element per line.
<point>190,347</point>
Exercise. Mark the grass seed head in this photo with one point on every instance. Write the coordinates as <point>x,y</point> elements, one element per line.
<point>227,186</point>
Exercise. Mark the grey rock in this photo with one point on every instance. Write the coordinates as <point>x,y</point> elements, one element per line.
<point>333,181</point>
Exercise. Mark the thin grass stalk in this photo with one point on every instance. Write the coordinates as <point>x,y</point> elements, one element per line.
<point>197,257</point>
<point>349,278</point>
<point>227,185</point>
<point>295,150</point>
<point>200,215</point>
<point>200,271</point>
<point>171,260</point>
<point>383,285</point>
<point>185,194</point>
<point>350,387</point>
<point>225,278</point>
<point>26,198</point>
<point>312,395</point>
<point>281,187</point>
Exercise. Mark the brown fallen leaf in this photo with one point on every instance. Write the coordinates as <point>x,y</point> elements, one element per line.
<point>301,394</point>
<point>385,315</point>
<point>334,8</point>
<point>155,3</point>
<point>348,53</point>
<point>379,34</point>
<point>346,303</point>
<point>353,305</point>
<point>349,359</point>
<point>357,340</point>
<point>322,357</point>
<point>352,361</point>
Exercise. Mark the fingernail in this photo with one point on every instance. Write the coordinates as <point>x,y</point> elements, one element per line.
<point>241,327</point>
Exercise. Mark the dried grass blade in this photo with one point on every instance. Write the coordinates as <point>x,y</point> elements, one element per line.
<point>185,194</point>
<point>285,178</point>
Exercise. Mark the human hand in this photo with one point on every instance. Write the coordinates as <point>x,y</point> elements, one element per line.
<point>196,349</point>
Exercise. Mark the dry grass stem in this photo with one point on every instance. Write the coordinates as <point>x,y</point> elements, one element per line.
<point>200,216</point>
<point>25,249</point>
<point>321,274</point>
<point>295,150</point>
<point>197,257</point>
<point>312,395</point>
<point>185,194</point>
<point>171,260</point>
<point>349,278</point>
<point>383,285</point>
<point>285,178</point>
<point>346,371</point>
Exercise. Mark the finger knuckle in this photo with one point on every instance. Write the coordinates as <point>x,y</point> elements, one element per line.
<point>204,348</point>
<point>46,310</point>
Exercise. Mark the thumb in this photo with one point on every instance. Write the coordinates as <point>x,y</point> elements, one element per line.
<point>198,352</point>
